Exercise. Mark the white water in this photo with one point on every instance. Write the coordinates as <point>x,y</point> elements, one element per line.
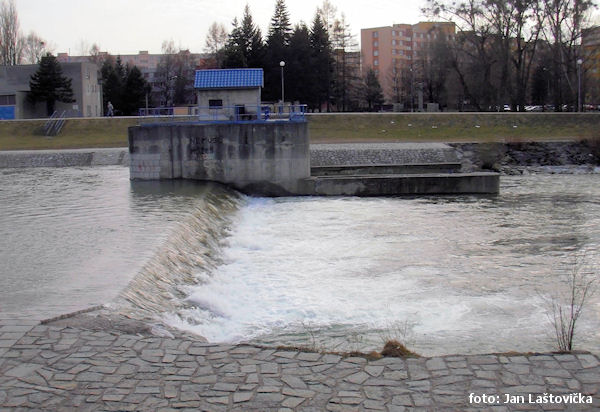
<point>471,274</point>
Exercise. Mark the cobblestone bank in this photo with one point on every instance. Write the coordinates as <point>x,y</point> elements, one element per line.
<point>380,153</point>
<point>64,158</point>
<point>64,368</point>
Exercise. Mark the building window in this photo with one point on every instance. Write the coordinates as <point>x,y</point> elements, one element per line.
<point>376,53</point>
<point>375,34</point>
<point>7,100</point>
<point>375,44</point>
<point>394,42</point>
<point>375,62</point>
<point>215,103</point>
<point>393,51</point>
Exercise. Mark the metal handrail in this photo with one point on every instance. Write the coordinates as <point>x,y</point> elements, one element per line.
<point>55,123</point>
<point>238,113</point>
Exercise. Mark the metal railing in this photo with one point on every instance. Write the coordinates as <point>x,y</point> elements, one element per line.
<point>238,113</point>
<point>55,123</point>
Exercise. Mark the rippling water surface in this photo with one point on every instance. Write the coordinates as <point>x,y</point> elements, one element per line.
<point>71,238</point>
<point>449,274</point>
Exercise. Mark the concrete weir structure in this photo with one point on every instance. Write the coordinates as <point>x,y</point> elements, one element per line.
<point>274,158</point>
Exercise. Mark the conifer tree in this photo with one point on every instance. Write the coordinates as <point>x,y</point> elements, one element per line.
<point>277,50</point>
<point>49,85</point>
<point>321,63</point>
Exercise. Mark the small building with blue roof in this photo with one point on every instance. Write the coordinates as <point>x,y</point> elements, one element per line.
<point>229,94</point>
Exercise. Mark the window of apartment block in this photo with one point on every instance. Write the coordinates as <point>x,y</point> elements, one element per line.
<point>375,62</point>
<point>375,34</point>
<point>393,51</point>
<point>375,52</point>
<point>393,32</point>
<point>375,44</point>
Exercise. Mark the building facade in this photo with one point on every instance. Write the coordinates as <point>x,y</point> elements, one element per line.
<point>394,51</point>
<point>229,94</point>
<point>590,44</point>
<point>14,87</point>
<point>177,78</point>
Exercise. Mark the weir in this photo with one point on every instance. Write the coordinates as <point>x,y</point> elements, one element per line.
<point>273,158</point>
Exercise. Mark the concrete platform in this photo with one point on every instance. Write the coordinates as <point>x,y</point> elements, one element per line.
<point>405,184</point>
<point>361,170</point>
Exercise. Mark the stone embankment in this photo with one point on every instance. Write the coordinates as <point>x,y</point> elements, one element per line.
<point>44,367</point>
<point>508,158</point>
<point>518,157</point>
<point>64,158</point>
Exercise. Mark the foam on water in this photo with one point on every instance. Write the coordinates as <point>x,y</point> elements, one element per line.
<point>296,270</point>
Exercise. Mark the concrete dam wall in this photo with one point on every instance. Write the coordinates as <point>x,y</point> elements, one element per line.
<point>260,158</point>
<point>274,159</point>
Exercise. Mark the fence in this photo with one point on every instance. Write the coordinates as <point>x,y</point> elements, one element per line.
<point>238,113</point>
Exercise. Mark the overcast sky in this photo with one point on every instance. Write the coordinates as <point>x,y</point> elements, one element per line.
<point>128,26</point>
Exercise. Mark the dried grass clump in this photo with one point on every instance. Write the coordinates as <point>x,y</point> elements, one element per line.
<point>395,349</point>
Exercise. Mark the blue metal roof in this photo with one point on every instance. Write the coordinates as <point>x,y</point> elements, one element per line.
<point>228,79</point>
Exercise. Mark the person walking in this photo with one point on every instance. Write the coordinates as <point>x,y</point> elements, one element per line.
<point>109,109</point>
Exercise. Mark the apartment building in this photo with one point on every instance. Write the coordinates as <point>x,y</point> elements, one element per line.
<point>392,51</point>
<point>148,65</point>
<point>590,44</point>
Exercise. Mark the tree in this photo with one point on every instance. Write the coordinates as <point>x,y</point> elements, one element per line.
<point>166,73</point>
<point>34,47</point>
<point>564,21</point>
<point>216,40</point>
<point>134,92</point>
<point>321,63</point>
<point>372,90</point>
<point>112,82</point>
<point>276,49</point>
<point>346,77</point>
<point>124,87</point>
<point>10,36</point>
<point>300,82</point>
<point>49,85</point>
<point>245,45</point>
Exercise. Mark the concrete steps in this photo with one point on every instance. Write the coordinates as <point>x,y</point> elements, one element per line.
<point>404,184</point>
<point>386,169</point>
<point>391,169</point>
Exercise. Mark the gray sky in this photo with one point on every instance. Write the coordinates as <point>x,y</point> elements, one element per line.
<point>127,26</point>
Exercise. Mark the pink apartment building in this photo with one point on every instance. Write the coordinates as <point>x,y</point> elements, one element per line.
<point>391,50</point>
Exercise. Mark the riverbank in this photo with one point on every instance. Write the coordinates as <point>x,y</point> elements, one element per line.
<point>505,157</point>
<point>85,133</point>
<point>60,367</point>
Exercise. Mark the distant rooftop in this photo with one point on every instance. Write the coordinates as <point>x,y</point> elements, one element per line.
<point>229,79</point>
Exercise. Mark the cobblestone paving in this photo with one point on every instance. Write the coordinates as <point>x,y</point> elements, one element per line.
<point>380,153</point>
<point>64,368</point>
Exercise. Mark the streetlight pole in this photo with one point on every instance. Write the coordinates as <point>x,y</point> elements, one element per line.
<point>282,64</point>
<point>579,63</point>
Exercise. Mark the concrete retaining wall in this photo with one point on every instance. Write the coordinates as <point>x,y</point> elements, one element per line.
<point>258,158</point>
<point>64,158</point>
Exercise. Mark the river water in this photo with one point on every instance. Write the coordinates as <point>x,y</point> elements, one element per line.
<point>465,274</point>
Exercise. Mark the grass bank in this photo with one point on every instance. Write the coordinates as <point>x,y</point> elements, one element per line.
<point>336,128</point>
<point>453,127</point>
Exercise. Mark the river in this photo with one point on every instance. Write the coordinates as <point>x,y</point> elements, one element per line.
<point>452,274</point>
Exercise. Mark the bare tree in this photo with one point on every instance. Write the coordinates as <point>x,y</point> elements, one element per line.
<point>216,39</point>
<point>96,56</point>
<point>328,15</point>
<point>10,37</point>
<point>34,48</point>
<point>566,308</point>
<point>564,21</point>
